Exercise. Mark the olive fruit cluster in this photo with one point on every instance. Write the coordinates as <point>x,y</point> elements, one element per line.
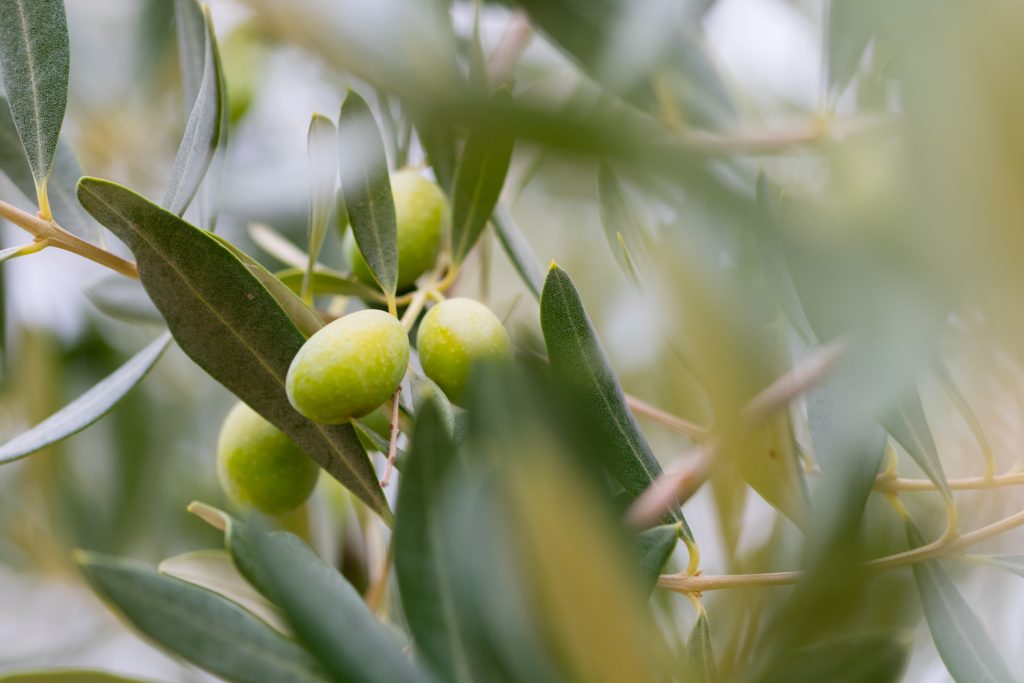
<point>351,367</point>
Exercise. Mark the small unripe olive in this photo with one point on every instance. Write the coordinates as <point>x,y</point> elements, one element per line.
<point>259,466</point>
<point>349,367</point>
<point>455,335</point>
<point>420,214</point>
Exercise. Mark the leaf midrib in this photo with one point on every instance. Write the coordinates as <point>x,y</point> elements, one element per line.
<point>270,371</point>
<point>33,89</point>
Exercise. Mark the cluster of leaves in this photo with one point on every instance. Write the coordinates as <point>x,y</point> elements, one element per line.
<point>511,558</point>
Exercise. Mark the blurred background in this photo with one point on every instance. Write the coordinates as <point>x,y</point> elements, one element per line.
<point>908,153</point>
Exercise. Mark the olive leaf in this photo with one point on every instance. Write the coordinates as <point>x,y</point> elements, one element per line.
<point>1011,563</point>
<point>366,188</point>
<point>653,548</point>
<point>518,250</point>
<point>425,578</point>
<point>861,658</point>
<point>959,635</point>
<point>190,33</point>
<point>323,168</point>
<point>35,62</point>
<point>437,137</point>
<point>578,361</point>
<point>852,24</point>
<point>66,676</point>
<point>325,612</point>
<point>907,424</point>
<point>700,658</point>
<point>227,321</point>
<point>87,408</point>
<point>620,221</point>
<point>203,129</point>
<point>479,177</point>
<point>326,281</point>
<point>198,625</point>
<point>214,571</point>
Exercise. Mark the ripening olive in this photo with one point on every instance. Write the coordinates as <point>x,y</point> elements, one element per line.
<point>349,367</point>
<point>455,335</point>
<point>420,212</point>
<point>259,466</point>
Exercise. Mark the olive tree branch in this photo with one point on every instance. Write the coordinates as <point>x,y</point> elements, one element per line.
<point>681,583</point>
<point>51,234</point>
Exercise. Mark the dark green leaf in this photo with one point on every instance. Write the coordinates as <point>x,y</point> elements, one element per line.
<point>87,408</point>
<point>700,658</point>
<point>366,188</point>
<point>326,613</point>
<point>518,250</point>
<point>653,547</point>
<point>437,136</point>
<point>227,321</point>
<point>63,178</point>
<point>959,636</point>
<point>870,658</point>
<point>907,424</point>
<point>477,60</point>
<point>66,676</point>
<point>323,169</point>
<point>424,577</point>
<point>198,625</point>
<point>621,225</point>
<point>35,61</point>
<point>124,299</point>
<point>202,130</point>
<point>578,361</point>
<point>425,389</point>
<point>479,177</point>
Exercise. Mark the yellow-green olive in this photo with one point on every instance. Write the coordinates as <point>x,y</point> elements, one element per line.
<point>259,466</point>
<point>348,368</point>
<point>455,335</point>
<point>420,212</point>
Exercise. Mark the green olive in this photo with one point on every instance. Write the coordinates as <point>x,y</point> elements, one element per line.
<point>454,336</point>
<point>259,466</point>
<point>349,367</point>
<point>420,212</point>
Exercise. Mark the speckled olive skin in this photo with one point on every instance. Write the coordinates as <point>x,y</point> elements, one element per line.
<point>453,336</point>
<point>349,367</point>
<point>260,467</point>
<point>421,211</point>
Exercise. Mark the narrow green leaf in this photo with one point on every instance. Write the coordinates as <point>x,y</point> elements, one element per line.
<point>123,299</point>
<point>63,178</point>
<point>425,580</point>
<point>328,616</point>
<point>425,389</point>
<point>278,246</point>
<point>438,140</point>
<point>66,676</point>
<point>479,177</point>
<point>477,60</point>
<point>326,281</point>
<point>190,32</point>
<point>202,130</point>
<point>35,62</point>
<point>214,571</point>
<point>700,658</point>
<point>959,635</point>
<point>851,26</point>
<point>87,408</point>
<point>366,188</point>
<point>323,169</point>
<point>869,658</point>
<point>518,250</point>
<point>227,321</point>
<point>907,424</point>
<point>621,224</point>
<point>198,625</point>
<point>578,361</point>
<point>653,547</point>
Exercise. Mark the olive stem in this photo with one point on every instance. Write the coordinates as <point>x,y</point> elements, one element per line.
<point>393,440</point>
<point>944,547</point>
<point>56,236</point>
